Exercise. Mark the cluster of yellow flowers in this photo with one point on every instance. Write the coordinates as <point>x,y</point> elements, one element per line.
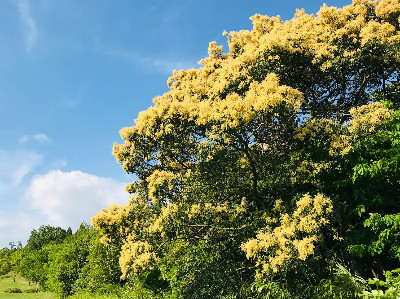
<point>368,118</point>
<point>340,144</point>
<point>159,179</point>
<point>228,112</point>
<point>135,256</point>
<point>364,120</point>
<point>166,214</point>
<point>290,236</point>
<point>215,211</point>
<point>115,216</point>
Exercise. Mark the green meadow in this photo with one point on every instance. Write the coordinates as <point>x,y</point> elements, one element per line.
<point>28,290</point>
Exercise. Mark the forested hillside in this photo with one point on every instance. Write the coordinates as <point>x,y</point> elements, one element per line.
<point>271,171</point>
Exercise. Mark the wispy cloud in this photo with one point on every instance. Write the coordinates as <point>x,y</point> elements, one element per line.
<point>59,163</point>
<point>41,138</point>
<point>29,23</point>
<point>72,100</point>
<point>15,166</point>
<point>159,64</point>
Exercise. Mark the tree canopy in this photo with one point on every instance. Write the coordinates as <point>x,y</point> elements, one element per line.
<point>47,234</point>
<point>270,163</point>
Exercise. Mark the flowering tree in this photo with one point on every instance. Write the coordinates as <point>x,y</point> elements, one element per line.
<point>244,166</point>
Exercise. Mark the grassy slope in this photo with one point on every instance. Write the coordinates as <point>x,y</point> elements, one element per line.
<point>7,281</point>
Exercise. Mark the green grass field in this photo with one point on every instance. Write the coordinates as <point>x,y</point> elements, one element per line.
<point>7,282</point>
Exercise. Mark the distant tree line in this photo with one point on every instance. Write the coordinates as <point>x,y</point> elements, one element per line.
<point>65,263</point>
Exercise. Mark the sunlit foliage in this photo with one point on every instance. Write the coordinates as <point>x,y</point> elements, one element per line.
<point>254,167</point>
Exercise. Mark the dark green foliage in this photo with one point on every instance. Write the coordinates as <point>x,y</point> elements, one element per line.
<point>205,270</point>
<point>101,271</point>
<point>375,188</point>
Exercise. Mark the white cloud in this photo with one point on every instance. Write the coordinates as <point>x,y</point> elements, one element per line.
<point>29,24</point>
<point>41,138</point>
<point>64,199</point>
<point>70,198</point>
<point>15,165</point>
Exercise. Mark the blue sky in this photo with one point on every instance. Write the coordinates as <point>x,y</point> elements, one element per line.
<point>72,74</point>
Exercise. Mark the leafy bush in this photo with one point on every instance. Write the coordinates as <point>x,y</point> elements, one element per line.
<point>388,288</point>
